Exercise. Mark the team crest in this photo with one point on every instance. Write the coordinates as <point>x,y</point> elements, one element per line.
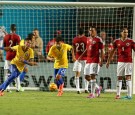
<point>127,44</point>
<point>27,54</point>
<point>118,44</point>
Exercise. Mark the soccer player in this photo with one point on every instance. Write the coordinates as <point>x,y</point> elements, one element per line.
<point>24,55</point>
<point>11,40</point>
<point>58,53</point>
<point>94,53</point>
<point>79,45</point>
<point>124,46</point>
<point>98,88</point>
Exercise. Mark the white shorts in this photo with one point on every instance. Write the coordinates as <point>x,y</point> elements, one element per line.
<point>78,65</point>
<point>7,64</point>
<point>124,69</point>
<point>1,43</point>
<point>91,68</point>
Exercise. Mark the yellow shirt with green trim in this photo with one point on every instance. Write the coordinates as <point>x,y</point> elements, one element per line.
<point>29,54</point>
<point>61,60</point>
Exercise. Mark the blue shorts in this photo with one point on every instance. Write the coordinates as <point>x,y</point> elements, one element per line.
<point>13,69</point>
<point>60,71</point>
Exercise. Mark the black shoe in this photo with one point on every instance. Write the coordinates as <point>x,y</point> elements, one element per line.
<point>86,91</point>
<point>8,90</point>
<point>78,92</point>
<point>17,91</point>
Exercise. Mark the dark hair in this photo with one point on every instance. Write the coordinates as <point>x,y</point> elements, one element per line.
<point>30,35</point>
<point>80,31</point>
<point>28,38</point>
<point>92,27</point>
<point>58,39</point>
<point>13,27</point>
<point>123,29</point>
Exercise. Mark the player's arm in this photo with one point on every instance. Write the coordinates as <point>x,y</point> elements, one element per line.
<point>50,55</point>
<point>29,62</point>
<point>73,54</point>
<point>101,57</point>
<point>110,57</point>
<point>6,48</point>
<point>50,58</point>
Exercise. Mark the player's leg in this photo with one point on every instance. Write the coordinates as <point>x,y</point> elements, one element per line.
<point>7,72</point>
<point>93,71</point>
<point>21,78</point>
<point>120,73</point>
<point>60,74</point>
<point>55,73</point>
<point>86,82</point>
<point>13,75</point>
<point>98,88</point>
<point>77,69</point>
<point>128,73</point>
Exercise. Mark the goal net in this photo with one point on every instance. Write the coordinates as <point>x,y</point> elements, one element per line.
<point>67,17</point>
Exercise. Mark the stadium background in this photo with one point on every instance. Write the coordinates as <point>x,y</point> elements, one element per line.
<point>47,25</point>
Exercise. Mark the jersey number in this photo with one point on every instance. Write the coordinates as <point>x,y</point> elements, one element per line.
<point>10,43</point>
<point>122,48</point>
<point>80,47</point>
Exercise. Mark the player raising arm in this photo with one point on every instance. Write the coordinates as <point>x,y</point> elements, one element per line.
<point>58,53</point>
<point>124,46</point>
<point>24,55</point>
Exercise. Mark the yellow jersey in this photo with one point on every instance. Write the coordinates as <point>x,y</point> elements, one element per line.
<point>22,42</point>
<point>21,54</point>
<point>61,60</point>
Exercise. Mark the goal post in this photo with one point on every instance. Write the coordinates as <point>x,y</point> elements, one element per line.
<point>49,17</point>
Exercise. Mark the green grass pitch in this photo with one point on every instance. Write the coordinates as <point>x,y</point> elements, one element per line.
<point>47,103</point>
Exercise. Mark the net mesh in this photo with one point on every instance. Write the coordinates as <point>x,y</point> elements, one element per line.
<point>67,19</point>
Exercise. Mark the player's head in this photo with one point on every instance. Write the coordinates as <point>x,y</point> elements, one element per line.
<point>57,33</point>
<point>28,42</point>
<point>58,41</point>
<point>13,27</point>
<point>80,31</point>
<point>31,35</point>
<point>124,32</point>
<point>93,31</point>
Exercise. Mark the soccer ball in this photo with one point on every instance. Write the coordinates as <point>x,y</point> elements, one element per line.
<point>53,87</point>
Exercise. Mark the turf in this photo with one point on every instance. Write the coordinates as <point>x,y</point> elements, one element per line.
<point>47,103</point>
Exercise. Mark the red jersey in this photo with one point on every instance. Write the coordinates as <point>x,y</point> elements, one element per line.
<point>124,49</point>
<point>9,41</point>
<point>79,44</point>
<point>94,45</point>
<point>50,44</point>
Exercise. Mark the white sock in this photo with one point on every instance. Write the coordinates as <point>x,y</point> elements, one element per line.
<point>18,83</point>
<point>93,86</point>
<point>86,84</point>
<point>77,83</point>
<point>97,86</point>
<point>129,87</point>
<point>119,85</point>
